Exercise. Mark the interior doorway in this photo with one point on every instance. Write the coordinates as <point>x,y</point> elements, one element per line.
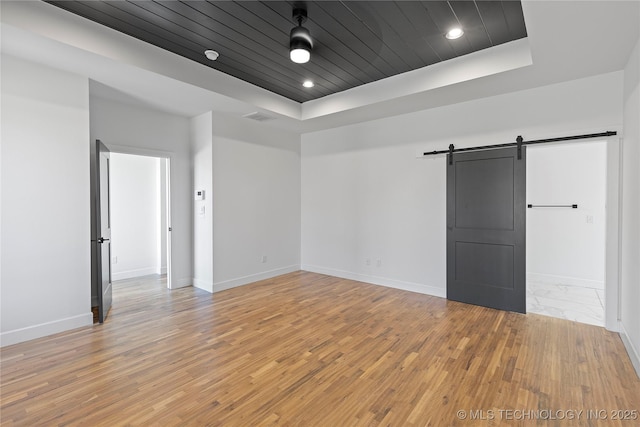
<point>566,230</point>
<point>138,213</point>
<point>140,200</point>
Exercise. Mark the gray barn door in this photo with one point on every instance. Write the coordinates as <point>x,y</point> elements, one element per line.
<point>486,228</point>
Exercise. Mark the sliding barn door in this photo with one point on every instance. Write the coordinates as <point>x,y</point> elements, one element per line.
<point>486,228</point>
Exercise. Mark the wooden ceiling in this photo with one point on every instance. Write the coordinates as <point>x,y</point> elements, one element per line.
<point>355,42</point>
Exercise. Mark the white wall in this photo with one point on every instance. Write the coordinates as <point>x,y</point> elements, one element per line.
<point>136,130</point>
<point>365,195</point>
<point>45,285</point>
<point>256,202</point>
<point>630,234</point>
<point>202,164</point>
<point>135,223</point>
<point>567,245</point>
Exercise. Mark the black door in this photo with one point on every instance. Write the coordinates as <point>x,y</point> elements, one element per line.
<point>101,228</point>
<point>486,228</point>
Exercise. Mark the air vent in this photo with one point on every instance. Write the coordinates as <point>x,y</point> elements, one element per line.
<point>257,116</point>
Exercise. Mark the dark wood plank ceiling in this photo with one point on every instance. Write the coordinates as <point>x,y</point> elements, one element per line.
<point>355,42</point>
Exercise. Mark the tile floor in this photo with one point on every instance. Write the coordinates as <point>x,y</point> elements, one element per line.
<point>584,305</point>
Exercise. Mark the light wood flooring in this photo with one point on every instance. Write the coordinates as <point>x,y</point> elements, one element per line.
<point>305,349</point>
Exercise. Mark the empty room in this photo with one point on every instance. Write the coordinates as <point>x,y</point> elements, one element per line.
<point>320,213</point>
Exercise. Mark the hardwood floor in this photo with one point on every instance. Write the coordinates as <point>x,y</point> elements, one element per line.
<point>311,350</point>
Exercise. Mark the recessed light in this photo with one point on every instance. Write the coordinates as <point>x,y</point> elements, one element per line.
<point>454,33</point>
<point>211,54</point>
<point>308,83</point>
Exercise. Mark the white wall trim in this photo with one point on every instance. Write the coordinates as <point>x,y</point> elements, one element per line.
<point>168,156</point>
<point>205,285</point>
<point>181,283</point>
<point>634,353</point>
<point>130,274</point>
<point>552,279</point>
<point>138,151</point>
<point>613,242</point>
<point>381,281</point>
<point>233,283</point>
<point>44,329</point>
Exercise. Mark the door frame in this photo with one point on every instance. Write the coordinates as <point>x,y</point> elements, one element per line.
<point>165,155</point>
<point>613,173</point>
<point>613,212</point>
<point>613,219</point>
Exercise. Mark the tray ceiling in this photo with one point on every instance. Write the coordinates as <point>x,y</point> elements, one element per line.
<point>355,42</point>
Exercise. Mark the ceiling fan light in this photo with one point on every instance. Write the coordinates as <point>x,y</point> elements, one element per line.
<point>300,56</point>
<point>300,45</point>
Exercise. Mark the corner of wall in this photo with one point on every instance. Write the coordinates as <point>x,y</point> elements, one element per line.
<point>201,143</point>
<point>634,355</point>
<point>630,211</point>
<point>205,285</point>
<point>256,211</point>
<point>420,288</point>
<point>181,283</point>
<point>240,281</point>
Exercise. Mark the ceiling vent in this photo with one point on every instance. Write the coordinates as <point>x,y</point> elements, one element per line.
<point>259,117</point>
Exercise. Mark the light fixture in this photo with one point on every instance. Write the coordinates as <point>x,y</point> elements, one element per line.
<point>454,33</point>
<point>308,84</point>
<point>300,43</point>
<point>211,54</point>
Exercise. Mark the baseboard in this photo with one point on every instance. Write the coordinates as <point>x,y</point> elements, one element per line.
<point>130,274</point>
<point>381,281</point>
<point>228,284</point>
<point>181,283</point>
<point>205,285</point>
<point>44,329</point>
<point>565,280</point>
<point>634,353</point>
<point>163,271</point>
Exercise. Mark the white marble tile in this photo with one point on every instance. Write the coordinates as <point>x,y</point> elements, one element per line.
<point>574,303</point>
<point>562,289</point>
<point>547,311</point>
<point>597,320</point>
<point>569,298</point>
<point>573,306</point>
